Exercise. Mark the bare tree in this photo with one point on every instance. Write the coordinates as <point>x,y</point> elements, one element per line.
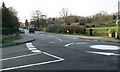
<point>36,16</point>
<point>64,12</point>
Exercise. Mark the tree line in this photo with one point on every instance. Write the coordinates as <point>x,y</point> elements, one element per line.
<point>68,22</point>
<point>65,23</point>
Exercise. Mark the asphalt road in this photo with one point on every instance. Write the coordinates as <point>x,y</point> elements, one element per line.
<point>55,52</point>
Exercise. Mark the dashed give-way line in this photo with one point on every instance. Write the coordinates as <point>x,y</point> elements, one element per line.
<point>35,52</point>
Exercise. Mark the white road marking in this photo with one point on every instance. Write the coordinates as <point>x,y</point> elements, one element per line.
<point>51,42</point>
<point>36,51</point>
<point>19,56</point>
<point>105,47</point>
<point>75,38</point>
<point>32,48</point>
<point>81,43</point>
<point>35,64</point>
<point>59,39</point>
<point>74,43</point>
<point>53,56</point>
<point>29,45</point>
<point>68,44</point>
<point>103,53</point>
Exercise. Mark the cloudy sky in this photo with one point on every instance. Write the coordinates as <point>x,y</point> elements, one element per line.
<point>52,7</point>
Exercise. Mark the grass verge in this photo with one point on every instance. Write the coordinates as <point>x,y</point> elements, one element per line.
<point>9,41</point>
<point>101,31</point>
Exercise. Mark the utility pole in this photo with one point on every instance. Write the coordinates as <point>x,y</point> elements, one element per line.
<point>117,20</point>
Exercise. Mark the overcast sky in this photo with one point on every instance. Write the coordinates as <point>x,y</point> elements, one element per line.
<point>52,7</point>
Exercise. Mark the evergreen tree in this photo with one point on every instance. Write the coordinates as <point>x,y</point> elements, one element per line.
<point>10,24</point>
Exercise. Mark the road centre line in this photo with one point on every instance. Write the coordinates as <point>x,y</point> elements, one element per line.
<point>80,43</point>
<point>74,43</point>
<point>51,42</point>
<point>21,56</point>
<point>103,53</point>
<point>68,44</point>
<point>59,39</point>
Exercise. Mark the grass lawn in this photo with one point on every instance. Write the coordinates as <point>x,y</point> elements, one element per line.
<point>97,31</point>
<point>10,41</point>
<point>101,31</point>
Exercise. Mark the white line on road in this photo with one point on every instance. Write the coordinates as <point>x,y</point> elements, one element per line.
<point>35,64</point>
<point>68,44</point>
<point>75,38</point>
<point>29,45</point>
<point>59,39</point>
<point>103,53</point>
<point>36,51</point>
<point>81,43</point>
<point>105,47</point>
<point>53,56</point>
<point>19,56</point>
<point>75,43</point>
<point>24,66</point>
<point>51,42</point>
<point>32,48</point>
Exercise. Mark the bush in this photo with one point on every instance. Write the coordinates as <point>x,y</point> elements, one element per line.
<point>51,28</point>
<point>64,28</point>
<point>7,31</point>
<point>74,29</point>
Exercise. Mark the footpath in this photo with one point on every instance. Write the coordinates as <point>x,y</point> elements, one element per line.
<point>25,39</point>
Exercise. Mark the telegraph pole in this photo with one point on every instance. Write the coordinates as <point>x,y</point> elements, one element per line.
<point>117,20</point>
